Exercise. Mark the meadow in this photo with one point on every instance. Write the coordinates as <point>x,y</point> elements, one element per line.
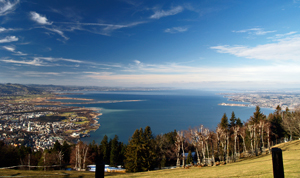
<point>260,166</point>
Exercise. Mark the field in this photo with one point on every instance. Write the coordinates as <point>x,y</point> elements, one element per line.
<point>253,167</point>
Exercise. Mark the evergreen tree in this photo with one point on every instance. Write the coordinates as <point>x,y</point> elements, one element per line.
<point>66,152</point>
<point>276,123</point>
<point>232,120</point>
<point>189,159</point>
<point>105,149</point>
<point>149,150</point>
<point>57,146</point>
<point>140,152</point>
<point>224,122</point>
<point>239,122</point>
<point>257,116</point>
<point>115,151</point>
<point>132,154</point>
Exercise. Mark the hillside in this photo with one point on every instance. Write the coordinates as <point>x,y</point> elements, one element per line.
<point>18,89</point>
<point>252,167</point>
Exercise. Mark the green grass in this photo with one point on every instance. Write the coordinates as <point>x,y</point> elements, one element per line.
<point>252,167</point>
<point>81,123</point>
<point>68,114</point>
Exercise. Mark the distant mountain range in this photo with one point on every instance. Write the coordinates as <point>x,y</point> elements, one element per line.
<point>18,89</point>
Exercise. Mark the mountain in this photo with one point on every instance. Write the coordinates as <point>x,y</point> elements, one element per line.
<point>18,89</point>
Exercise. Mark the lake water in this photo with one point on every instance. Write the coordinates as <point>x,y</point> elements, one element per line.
<point>163,111</point>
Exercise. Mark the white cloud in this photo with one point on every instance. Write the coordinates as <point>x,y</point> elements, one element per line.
<point>61,33</point>
<point>39,18</point>
<point>51,59</point>
<point>283,49</point>
<point>176,30</point>
<point>255,31</point>
<point>40,74</point>
<point>12,49</point>
<point>34,62</point>
<point>280,36</point>
<point>173,73</point>
<point>97,28</point>
<point>7,6</point>
<point>9,48</point>
<point>137,62</point>
<point>161,13</point>
<point>9,39</point>
<point>2,29</point>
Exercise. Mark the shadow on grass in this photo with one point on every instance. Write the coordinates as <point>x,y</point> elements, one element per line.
<point>16,174</point>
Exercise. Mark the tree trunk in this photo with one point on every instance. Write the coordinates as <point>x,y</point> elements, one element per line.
<point>198,157</point>
<point>84,158</point>
<point>235,137</point>
<point>183,160</point>
<point>227,147</point>
<point>262,137</point>
<point>212,153</point>
<point>255,144</point>
<point>268,132</point>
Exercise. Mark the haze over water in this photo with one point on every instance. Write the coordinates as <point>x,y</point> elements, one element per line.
<point>163,111</point>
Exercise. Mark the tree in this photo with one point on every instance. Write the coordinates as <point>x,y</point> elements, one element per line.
<point>66,152</point>
<point>132,154</point>
<point>114,151</point>
<point>140,152</point>
<point>57,146</point>
<point>291,122</point>
<point>105,150</point>
<point>79,157</point>
<point>232,120</point>
<point>189,159</point>
<point>225,133</point>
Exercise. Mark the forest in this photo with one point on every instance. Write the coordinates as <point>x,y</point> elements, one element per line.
<point>231,140</point>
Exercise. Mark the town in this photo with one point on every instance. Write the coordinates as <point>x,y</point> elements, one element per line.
<point>39,127</point>
<point>265,99</point>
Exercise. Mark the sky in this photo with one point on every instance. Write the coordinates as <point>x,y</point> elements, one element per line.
<point>153,43</point>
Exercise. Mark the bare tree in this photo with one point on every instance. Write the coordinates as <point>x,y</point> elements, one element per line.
<point>242,133</point>
<point>236,130</point>
<point>179,144</point>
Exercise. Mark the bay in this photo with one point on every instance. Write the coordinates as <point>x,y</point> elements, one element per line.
<point>163,111</point>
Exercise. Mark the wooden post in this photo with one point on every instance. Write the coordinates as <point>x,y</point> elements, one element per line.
<point>99,173</point>
<point>278,171</point>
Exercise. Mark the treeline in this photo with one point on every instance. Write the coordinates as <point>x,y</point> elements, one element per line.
<point>231,140</point>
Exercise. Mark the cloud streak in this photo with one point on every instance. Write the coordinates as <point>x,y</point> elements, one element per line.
<point>2,29</point>
<point>174,73</point>
<point>13,49</point>
<point>176,30</point>
<point>97,28</point>
<point>284,49</point>
<point>254,31</point>
<point>7,7</point>
<point>161,13</point>
<point>9,39</point>
<point>34,62</point>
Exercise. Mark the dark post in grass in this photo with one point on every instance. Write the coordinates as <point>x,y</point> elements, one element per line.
<point>99,173</point>
<point>278,171</point>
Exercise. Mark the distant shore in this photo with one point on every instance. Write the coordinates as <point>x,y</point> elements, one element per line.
<point>234,104</point>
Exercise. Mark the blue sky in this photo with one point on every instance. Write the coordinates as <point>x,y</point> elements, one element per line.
<point>135,43</point>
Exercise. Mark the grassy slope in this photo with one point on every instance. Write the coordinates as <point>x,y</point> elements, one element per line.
<point>253,167</point>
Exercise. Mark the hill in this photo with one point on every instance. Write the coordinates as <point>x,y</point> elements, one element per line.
<point>253,167</point>
<point>18,89</point>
